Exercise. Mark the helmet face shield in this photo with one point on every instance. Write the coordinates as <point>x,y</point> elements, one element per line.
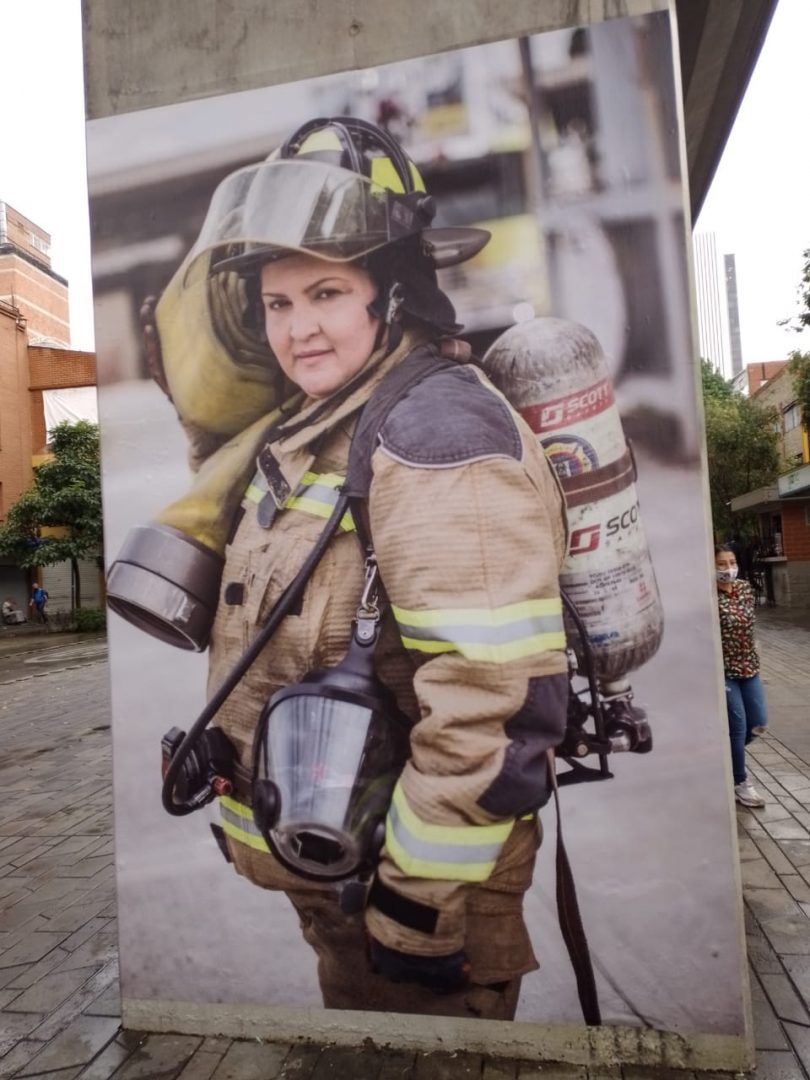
<point>308,206</point>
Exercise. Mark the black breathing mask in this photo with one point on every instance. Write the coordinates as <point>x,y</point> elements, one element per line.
<point>326,756</point>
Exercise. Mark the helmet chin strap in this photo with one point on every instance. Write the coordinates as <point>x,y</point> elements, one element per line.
<point>386,307</point>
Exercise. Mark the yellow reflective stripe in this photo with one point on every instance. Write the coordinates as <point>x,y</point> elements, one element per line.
<point>523,609</point>
<point>303,499</point>
<point>444,852</point>
<point>319,509</point>
<point>237,822</point>
<point>332,480</point>
<point>492,635</point>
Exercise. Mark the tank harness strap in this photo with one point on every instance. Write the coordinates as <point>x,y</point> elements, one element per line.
<point>406,912</point>
<point>600,483</point>
<point>570,919</point>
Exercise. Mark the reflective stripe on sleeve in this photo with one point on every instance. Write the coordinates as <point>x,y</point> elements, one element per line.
<point>237,822</point>
<point>493,635</point>
<point>444,852</point>
<point>316,494</point>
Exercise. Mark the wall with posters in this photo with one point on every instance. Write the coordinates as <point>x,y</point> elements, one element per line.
<point>565,147</point>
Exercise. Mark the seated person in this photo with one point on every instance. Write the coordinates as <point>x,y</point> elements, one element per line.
<point>11,613</point>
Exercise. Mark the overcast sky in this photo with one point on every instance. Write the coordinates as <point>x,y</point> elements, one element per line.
<point>758,204</point>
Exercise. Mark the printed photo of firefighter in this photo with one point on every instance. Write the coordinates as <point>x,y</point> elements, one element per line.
<point>406,357</point>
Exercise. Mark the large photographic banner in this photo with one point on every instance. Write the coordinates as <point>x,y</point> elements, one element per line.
<point>564,147</point>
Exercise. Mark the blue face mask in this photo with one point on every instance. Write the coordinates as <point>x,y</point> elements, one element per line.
<point>725,576</point>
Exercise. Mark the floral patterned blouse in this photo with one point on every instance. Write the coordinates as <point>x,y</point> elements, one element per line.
<point>740,657</point>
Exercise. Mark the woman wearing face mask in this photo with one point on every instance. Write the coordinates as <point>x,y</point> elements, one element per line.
<point>745,697</point>
<point>336,259</point>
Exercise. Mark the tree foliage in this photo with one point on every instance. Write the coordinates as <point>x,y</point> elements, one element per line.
<point>65,495</point>
<point>799,364</point>
<point>742,443</point>
<point>802,320</point>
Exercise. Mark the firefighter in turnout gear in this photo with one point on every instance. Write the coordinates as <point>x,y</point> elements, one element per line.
<point>332,243</point>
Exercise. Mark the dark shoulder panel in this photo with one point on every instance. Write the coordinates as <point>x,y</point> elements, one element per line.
<point>449,419</point>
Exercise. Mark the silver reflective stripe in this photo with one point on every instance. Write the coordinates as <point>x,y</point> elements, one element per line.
<point>245,824</point>
<point>438,851</point>
<point>484,635</point>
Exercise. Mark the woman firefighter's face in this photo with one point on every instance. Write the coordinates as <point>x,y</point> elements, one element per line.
<point>317,320</point>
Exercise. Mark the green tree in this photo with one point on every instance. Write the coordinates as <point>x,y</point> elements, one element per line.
<point>799,364</point>
<point>742,443</point>
<point>65,495</point>
<point>802,320</point>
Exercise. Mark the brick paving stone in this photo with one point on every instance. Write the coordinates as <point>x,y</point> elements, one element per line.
<point>757,874</point>
<point>50,991</point>
<point>251,1061</point>
<point>100,948</point>
<point>60,1074</point>
<point>800,1040</point>
<point>778,1065</point>
<point>788,934</point>
<point>160,1057</point>
<point>8,975</point>
<point>348,1063</point>
<point>31,972</point>
<point>300,1062</point>
<point>500,1070</point>
<point>201,1067</point>
<point>32,947</point>
<point>786,830</point>
<point>15,1027</point>
<point>785,1001</point>
<point>796,886</point>
<point>108,1002</point>
<point>396,1065</point>
<point>76,915</point>
<point>84,933</point>
<point>447,1067</point>
<point>798,968</point>
<point>643,1072</point>
<point>78,1002</point>
<point>104,1065</point>
<point>77,1044</point>
<point>560,1071</point>
<point>775,855</point>
<point>18,1058</point>
<point>746,848</point>
<point>768,1033</point>
<point>768,903</point>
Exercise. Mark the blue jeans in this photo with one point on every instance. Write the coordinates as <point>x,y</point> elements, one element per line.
<point>745,700</point>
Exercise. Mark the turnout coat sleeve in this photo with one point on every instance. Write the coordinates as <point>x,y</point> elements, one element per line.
<point>468,528</point>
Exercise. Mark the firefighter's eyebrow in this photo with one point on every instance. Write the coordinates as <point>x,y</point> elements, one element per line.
<point>310,288</point>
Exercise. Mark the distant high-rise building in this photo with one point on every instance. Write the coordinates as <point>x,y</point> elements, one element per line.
<point>733,314</point>
<point>712,310</point>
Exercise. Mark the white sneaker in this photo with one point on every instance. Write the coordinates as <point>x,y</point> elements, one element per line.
<point>760,729</point>
<point>748,795</point>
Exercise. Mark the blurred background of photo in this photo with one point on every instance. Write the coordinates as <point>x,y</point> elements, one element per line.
<point>563,145</point>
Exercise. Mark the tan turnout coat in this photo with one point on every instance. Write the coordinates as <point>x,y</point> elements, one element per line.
<point>467,522</point>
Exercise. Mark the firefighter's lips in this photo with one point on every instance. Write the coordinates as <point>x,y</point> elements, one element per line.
<point>313,357</point>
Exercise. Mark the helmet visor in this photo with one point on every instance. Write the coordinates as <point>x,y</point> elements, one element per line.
<point>307,206</point>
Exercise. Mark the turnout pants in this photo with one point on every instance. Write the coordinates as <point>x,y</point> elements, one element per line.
<point>496,939</point>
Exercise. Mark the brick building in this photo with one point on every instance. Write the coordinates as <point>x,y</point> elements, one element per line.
<point>783,508</point>
<point>41,380</point>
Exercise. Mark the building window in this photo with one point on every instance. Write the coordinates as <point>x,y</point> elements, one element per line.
<point>807,515</point>
<point>792,416</point>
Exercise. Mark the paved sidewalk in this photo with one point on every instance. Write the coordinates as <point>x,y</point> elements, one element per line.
<point>59,1010</point>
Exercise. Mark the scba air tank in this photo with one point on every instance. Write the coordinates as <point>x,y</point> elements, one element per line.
<point>554,373</point>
